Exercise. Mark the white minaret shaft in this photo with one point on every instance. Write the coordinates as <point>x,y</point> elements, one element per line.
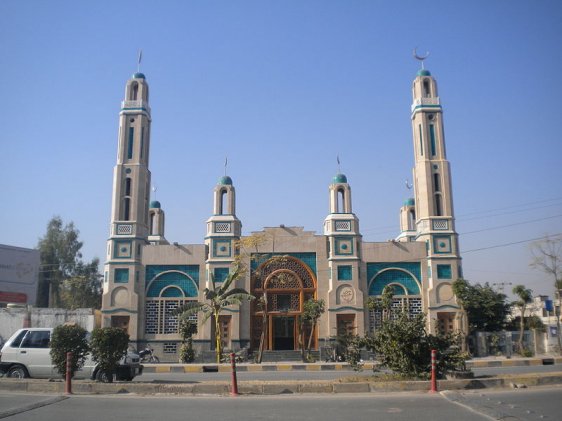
<point>124,273</point>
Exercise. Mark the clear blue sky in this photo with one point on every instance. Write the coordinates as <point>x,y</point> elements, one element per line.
<point>282,88</point>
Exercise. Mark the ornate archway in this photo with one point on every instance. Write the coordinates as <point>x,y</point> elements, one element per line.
<point>282,284</point>
<point>406,289</point>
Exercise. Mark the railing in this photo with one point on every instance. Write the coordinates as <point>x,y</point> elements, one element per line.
<point>425,101</point>
<point>135,104</point>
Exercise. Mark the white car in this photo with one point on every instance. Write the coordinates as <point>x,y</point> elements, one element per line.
<point>27,354</point>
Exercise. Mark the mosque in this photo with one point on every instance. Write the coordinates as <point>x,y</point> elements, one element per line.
<point>146,277</point>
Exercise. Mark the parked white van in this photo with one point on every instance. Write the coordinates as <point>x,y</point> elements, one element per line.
<point>27,354</point>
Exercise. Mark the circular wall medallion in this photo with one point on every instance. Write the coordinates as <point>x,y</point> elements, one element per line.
<point>445,293</point>
<point>346,295</point>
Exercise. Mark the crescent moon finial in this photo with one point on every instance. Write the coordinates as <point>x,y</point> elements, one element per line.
<point>420,58</point>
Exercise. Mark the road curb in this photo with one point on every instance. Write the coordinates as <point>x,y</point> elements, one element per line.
<point>243,367</point>
<point>274,387</point>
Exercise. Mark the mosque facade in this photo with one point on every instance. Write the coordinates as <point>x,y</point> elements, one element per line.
<point>146,278</point>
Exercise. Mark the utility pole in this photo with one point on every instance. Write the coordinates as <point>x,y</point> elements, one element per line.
<point>500,286</point>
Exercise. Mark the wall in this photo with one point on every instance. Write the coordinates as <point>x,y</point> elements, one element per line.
<point>12,319</point>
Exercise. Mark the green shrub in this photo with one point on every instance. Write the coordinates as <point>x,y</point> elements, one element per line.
<point>187,328</point>
<point>68,338</point>
<point>108,345</point>
<point>187,354</point>
<point>405,347</point>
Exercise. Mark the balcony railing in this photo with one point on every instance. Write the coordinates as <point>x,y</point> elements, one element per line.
<point>139,104</point>
<point>425,101</point>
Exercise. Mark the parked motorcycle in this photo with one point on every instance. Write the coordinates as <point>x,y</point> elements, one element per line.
<point>147,355</point>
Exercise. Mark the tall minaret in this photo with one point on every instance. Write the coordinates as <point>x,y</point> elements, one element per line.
<point>341,228</point>
<point>434,216</point>
<point>129,213</point>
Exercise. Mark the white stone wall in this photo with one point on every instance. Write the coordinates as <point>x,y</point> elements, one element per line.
<point>12,319</point>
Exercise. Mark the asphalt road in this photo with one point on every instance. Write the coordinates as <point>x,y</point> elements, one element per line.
<point>519,404</point>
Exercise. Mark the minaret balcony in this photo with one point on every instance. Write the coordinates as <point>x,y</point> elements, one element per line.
<point>421,102</point>
<point>135,105</point>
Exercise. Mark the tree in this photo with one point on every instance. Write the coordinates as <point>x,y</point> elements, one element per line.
<point>312,310</point>
<point>245,246</point>
<point>108,346</point>
<point>487,309</point>
<point>68,338</point>
<point>403,345</point>
<point>217,299</point>
<point>525,296</point>
<point>382,303</point>
<point>187,328</point>
<point>84,289</point>
<point>64,280</point>
<point>547,257</point>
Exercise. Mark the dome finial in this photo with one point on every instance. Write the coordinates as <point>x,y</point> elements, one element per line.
<point>139,61</point>
<point>420,58</point>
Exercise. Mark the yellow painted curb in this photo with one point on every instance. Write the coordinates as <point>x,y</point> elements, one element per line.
<point>254,368</point>
<point>284,367</point>
<point>162,369</point>
<point>192,369</point>
<point>477,364</point>
<point>339,366</point>
<point>313,368</point>
<point>509,363</point>
<point>535,362</point>
<point>224,368</point>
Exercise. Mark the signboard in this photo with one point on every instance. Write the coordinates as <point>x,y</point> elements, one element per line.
<point>548,305</point>
<point>19,274</point>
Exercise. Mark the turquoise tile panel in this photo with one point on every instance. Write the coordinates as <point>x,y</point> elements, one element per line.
<point>383,274</point>
<point>185,277</point>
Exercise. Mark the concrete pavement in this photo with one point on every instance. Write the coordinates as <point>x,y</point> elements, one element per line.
<point>276,387</point>
<point>257,387</point>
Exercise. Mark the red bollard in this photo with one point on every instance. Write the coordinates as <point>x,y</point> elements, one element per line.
<point>68,384</point>
<point>234,391</point>
<point>433,371</point>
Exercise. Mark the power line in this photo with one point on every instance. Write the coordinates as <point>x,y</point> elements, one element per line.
<point>511,225</point>
<point>510,244</point>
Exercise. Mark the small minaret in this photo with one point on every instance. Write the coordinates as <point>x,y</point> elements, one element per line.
<point>156,224</point>
<point>341,228</point>
<point>407,221</point>
<point>129,213</point>
<point>223,229</point>
<point>434,215</point>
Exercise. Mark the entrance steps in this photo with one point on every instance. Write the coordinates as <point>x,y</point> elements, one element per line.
<point>286,355</point>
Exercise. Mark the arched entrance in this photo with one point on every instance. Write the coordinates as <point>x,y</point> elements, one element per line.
<point>282,284</point>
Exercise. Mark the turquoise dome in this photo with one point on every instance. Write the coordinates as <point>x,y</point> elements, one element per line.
<point>339,178</point>
<point>138,76</point>
<point>423,72</point>
<point>155,204</point>
<point>225,181</point>
<point>410,202</point>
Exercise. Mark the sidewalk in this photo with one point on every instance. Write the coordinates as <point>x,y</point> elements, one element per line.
<point>320,366</point>
<point>276,387</point>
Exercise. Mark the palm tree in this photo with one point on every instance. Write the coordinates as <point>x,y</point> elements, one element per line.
<point>312,310</point>
<point>525,296</point>
<point>216,300</point>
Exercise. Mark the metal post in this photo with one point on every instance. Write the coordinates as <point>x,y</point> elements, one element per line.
<point>433,371</point>
<point>68,384</point>
<point>234,391</point>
